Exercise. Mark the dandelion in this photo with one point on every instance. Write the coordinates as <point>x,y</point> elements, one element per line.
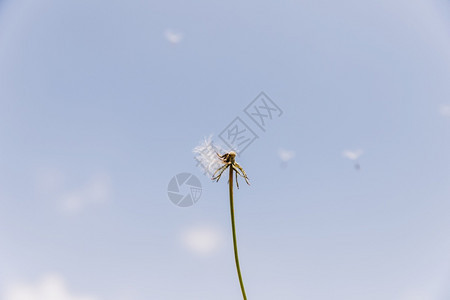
<point>229,161</point>
<point>213,163</point>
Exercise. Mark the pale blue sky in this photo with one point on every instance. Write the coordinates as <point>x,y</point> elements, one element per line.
<point>98,110</point>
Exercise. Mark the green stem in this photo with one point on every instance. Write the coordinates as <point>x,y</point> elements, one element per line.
<point>236,257</point>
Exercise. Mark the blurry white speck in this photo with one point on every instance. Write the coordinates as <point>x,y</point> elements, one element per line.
<point>201,240</point>
<point>353,155</point>
<point>445,110</point>
<point>172,36</point>
<point>286,155</point>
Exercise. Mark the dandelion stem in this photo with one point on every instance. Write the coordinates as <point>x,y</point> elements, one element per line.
<point>236,257</point>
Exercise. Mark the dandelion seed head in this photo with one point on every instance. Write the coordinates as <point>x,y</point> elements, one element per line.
<point>206,156</point>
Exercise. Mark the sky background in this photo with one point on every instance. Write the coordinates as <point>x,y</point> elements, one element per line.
<point>102,102</point>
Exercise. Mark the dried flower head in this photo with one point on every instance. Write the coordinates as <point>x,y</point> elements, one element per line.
<point>229,160</point>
